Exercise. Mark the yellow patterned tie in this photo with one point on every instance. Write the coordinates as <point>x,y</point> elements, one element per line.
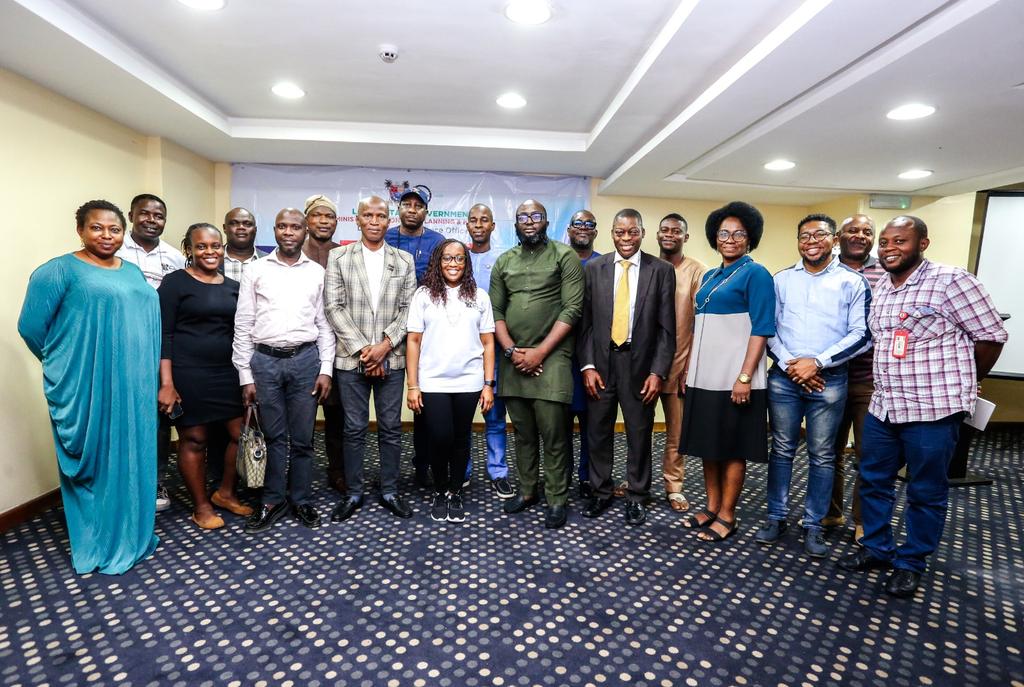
<point>620,313</point>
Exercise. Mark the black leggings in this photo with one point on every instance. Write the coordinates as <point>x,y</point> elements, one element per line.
<point>448,418</point>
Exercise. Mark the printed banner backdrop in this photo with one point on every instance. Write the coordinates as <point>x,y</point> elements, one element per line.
<point>266,189</point>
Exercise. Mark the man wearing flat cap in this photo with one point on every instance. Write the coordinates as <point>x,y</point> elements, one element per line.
<point>415,239</point>
<point>321,223</point>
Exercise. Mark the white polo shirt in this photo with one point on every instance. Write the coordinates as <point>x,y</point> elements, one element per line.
<point>155,264</point>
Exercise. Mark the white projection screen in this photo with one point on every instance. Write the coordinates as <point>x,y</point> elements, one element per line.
<point>1000,270</point>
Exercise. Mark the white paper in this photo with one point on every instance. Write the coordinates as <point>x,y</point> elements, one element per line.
<point>982,413</point>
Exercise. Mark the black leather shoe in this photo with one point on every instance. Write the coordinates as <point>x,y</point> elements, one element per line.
<point>265,516</point>
<point>596,506</point>
<point>557,515</point>
<point>519,504</point>
<point>636,514</point>
<point>861,560</point>
<point>586,491</point>
<point>395,504</point>
<point>307,515</point>
<point>902,583</point>
<point>346,508</point>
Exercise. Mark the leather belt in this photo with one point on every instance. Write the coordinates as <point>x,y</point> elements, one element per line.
<point>283,352</point>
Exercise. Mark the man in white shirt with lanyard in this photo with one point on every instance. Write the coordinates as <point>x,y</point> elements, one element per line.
<point>284,354</point>
<point>156,258</point>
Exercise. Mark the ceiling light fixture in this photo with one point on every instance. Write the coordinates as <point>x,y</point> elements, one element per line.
<point>511,101</point>
<point>205,5</point>
<point>916,174</point>
<point>287,89</point>
<point>529,12</point>
<point>779,165</point>
<point>910,111</point>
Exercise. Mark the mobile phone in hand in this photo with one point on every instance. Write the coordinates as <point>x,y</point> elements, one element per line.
<point>176,411</point>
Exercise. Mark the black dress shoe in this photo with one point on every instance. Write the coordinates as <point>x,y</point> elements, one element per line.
<point>307,515</point>
<point>636,514</point>
<point>557,515</point>
<point>596,506</point>
<point>519,503</point>
<point>902,583</point>
<point>395,504</point>
<point>861,560</point>
<point>586,491</point>
<point>346,508</point>
<point>265,516</point>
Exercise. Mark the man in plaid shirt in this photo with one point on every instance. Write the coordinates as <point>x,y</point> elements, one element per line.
<point>936,335</point>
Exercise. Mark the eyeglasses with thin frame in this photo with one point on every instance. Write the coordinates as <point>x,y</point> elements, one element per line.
<point>532,217</point>
<point>583,224</point>
<point>457,259</point>
<point>738,235</point>
<point>622,233</point>
<point>819,235</point>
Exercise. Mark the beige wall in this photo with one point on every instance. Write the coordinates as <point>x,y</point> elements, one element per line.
<point>57,155</point>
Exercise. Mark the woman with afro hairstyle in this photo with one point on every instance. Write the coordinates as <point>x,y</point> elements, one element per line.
<point>450,367</point>
<point>726,407</point>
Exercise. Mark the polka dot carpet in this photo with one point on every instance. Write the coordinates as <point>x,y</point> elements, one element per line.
<point>498,600</point>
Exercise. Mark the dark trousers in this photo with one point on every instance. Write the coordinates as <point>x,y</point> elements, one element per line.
<point>355,389</point>
<point>287,407</point>
<point>858,398</point>
<point>163,446</point>
<point>421,460</point>
<point>926,449</point>
<point>334,438</point>
<point>535,420</point>
<point>639,421</point>
<point>448,418</point>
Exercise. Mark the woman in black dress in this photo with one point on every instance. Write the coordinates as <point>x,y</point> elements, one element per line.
<point>197,307</point>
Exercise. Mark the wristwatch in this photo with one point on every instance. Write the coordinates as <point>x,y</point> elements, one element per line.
<point>510,350</point>
<point>491,383</point>
<point>819,365</point>
<point>744,378</point>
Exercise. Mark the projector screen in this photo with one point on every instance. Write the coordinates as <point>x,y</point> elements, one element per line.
<point>1000,270</point>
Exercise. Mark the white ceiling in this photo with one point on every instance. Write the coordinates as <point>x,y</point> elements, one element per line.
<point>660,97</point>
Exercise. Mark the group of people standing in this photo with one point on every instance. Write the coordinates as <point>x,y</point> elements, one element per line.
<point>545,331</point>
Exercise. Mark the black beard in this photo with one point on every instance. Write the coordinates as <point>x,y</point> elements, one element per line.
<point>531,241</point>
<point>580,244</point>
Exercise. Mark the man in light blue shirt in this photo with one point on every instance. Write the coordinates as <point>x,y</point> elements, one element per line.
<point>821,309</point>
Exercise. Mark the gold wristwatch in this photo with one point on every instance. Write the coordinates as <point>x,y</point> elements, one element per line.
<point>744,378</point>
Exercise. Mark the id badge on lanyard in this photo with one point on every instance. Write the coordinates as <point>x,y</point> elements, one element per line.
<point>900,339</point>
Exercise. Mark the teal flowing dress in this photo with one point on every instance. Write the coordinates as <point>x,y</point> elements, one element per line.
<point>97,333</point>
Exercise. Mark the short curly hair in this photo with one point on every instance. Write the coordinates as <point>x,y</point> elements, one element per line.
<point>83,211</point>
<point>749,216</point>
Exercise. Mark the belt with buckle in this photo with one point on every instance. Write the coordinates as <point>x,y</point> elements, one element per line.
<point>283,352</point>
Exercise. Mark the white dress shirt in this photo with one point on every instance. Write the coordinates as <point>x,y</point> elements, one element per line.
<point>634,280</point>
<point>155,264</point>
<point>373,263</point>
<point>281,305</point>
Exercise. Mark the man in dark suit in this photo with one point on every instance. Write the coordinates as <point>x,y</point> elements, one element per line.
<point>626,344</point>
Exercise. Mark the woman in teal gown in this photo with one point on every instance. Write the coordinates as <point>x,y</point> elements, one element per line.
<point>94,322</point>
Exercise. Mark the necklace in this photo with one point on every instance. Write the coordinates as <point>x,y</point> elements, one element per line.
<point>718,286</point>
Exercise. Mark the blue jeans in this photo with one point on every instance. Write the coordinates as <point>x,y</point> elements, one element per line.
<point>788,405</point>
<point>287,409</point>
<point>355,389</point>
<point>497,443</point>
<point>926,449</point>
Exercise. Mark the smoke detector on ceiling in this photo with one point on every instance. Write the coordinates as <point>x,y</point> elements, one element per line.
<point>388,53</point>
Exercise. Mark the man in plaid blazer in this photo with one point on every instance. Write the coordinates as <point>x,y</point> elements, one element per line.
<point>366,298</point>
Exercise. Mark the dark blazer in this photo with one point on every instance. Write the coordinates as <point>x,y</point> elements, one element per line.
<point>654,321</point>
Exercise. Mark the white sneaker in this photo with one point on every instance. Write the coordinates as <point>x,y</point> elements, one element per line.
<point>163,499</point>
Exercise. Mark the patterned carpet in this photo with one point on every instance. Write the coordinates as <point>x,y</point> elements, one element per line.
<point>498,600</point>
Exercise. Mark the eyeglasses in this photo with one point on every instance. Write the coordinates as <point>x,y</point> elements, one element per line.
<point>738,235</point>
<point>532,217</point>
<point>457,259</point>
<point>622,233</point>
<point>819,235</point>
<point>581,224</point>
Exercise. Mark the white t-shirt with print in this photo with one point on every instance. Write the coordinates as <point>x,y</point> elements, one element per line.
<point>451,353</point>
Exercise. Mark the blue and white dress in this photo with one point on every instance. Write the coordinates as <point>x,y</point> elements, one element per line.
<point>732,304</point>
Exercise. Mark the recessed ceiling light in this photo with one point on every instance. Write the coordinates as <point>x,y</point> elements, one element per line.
<point>910,111</point>
<point>531,12</point>
<point>208,5</point>
<point>512,101</point>
<point>916,174</point>
<point>779,165</point>
<point>287,89</point>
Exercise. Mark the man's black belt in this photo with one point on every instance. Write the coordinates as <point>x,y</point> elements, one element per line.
<point>283,352</point>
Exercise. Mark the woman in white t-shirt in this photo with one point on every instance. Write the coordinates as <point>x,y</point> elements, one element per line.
<point>449,367</point>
